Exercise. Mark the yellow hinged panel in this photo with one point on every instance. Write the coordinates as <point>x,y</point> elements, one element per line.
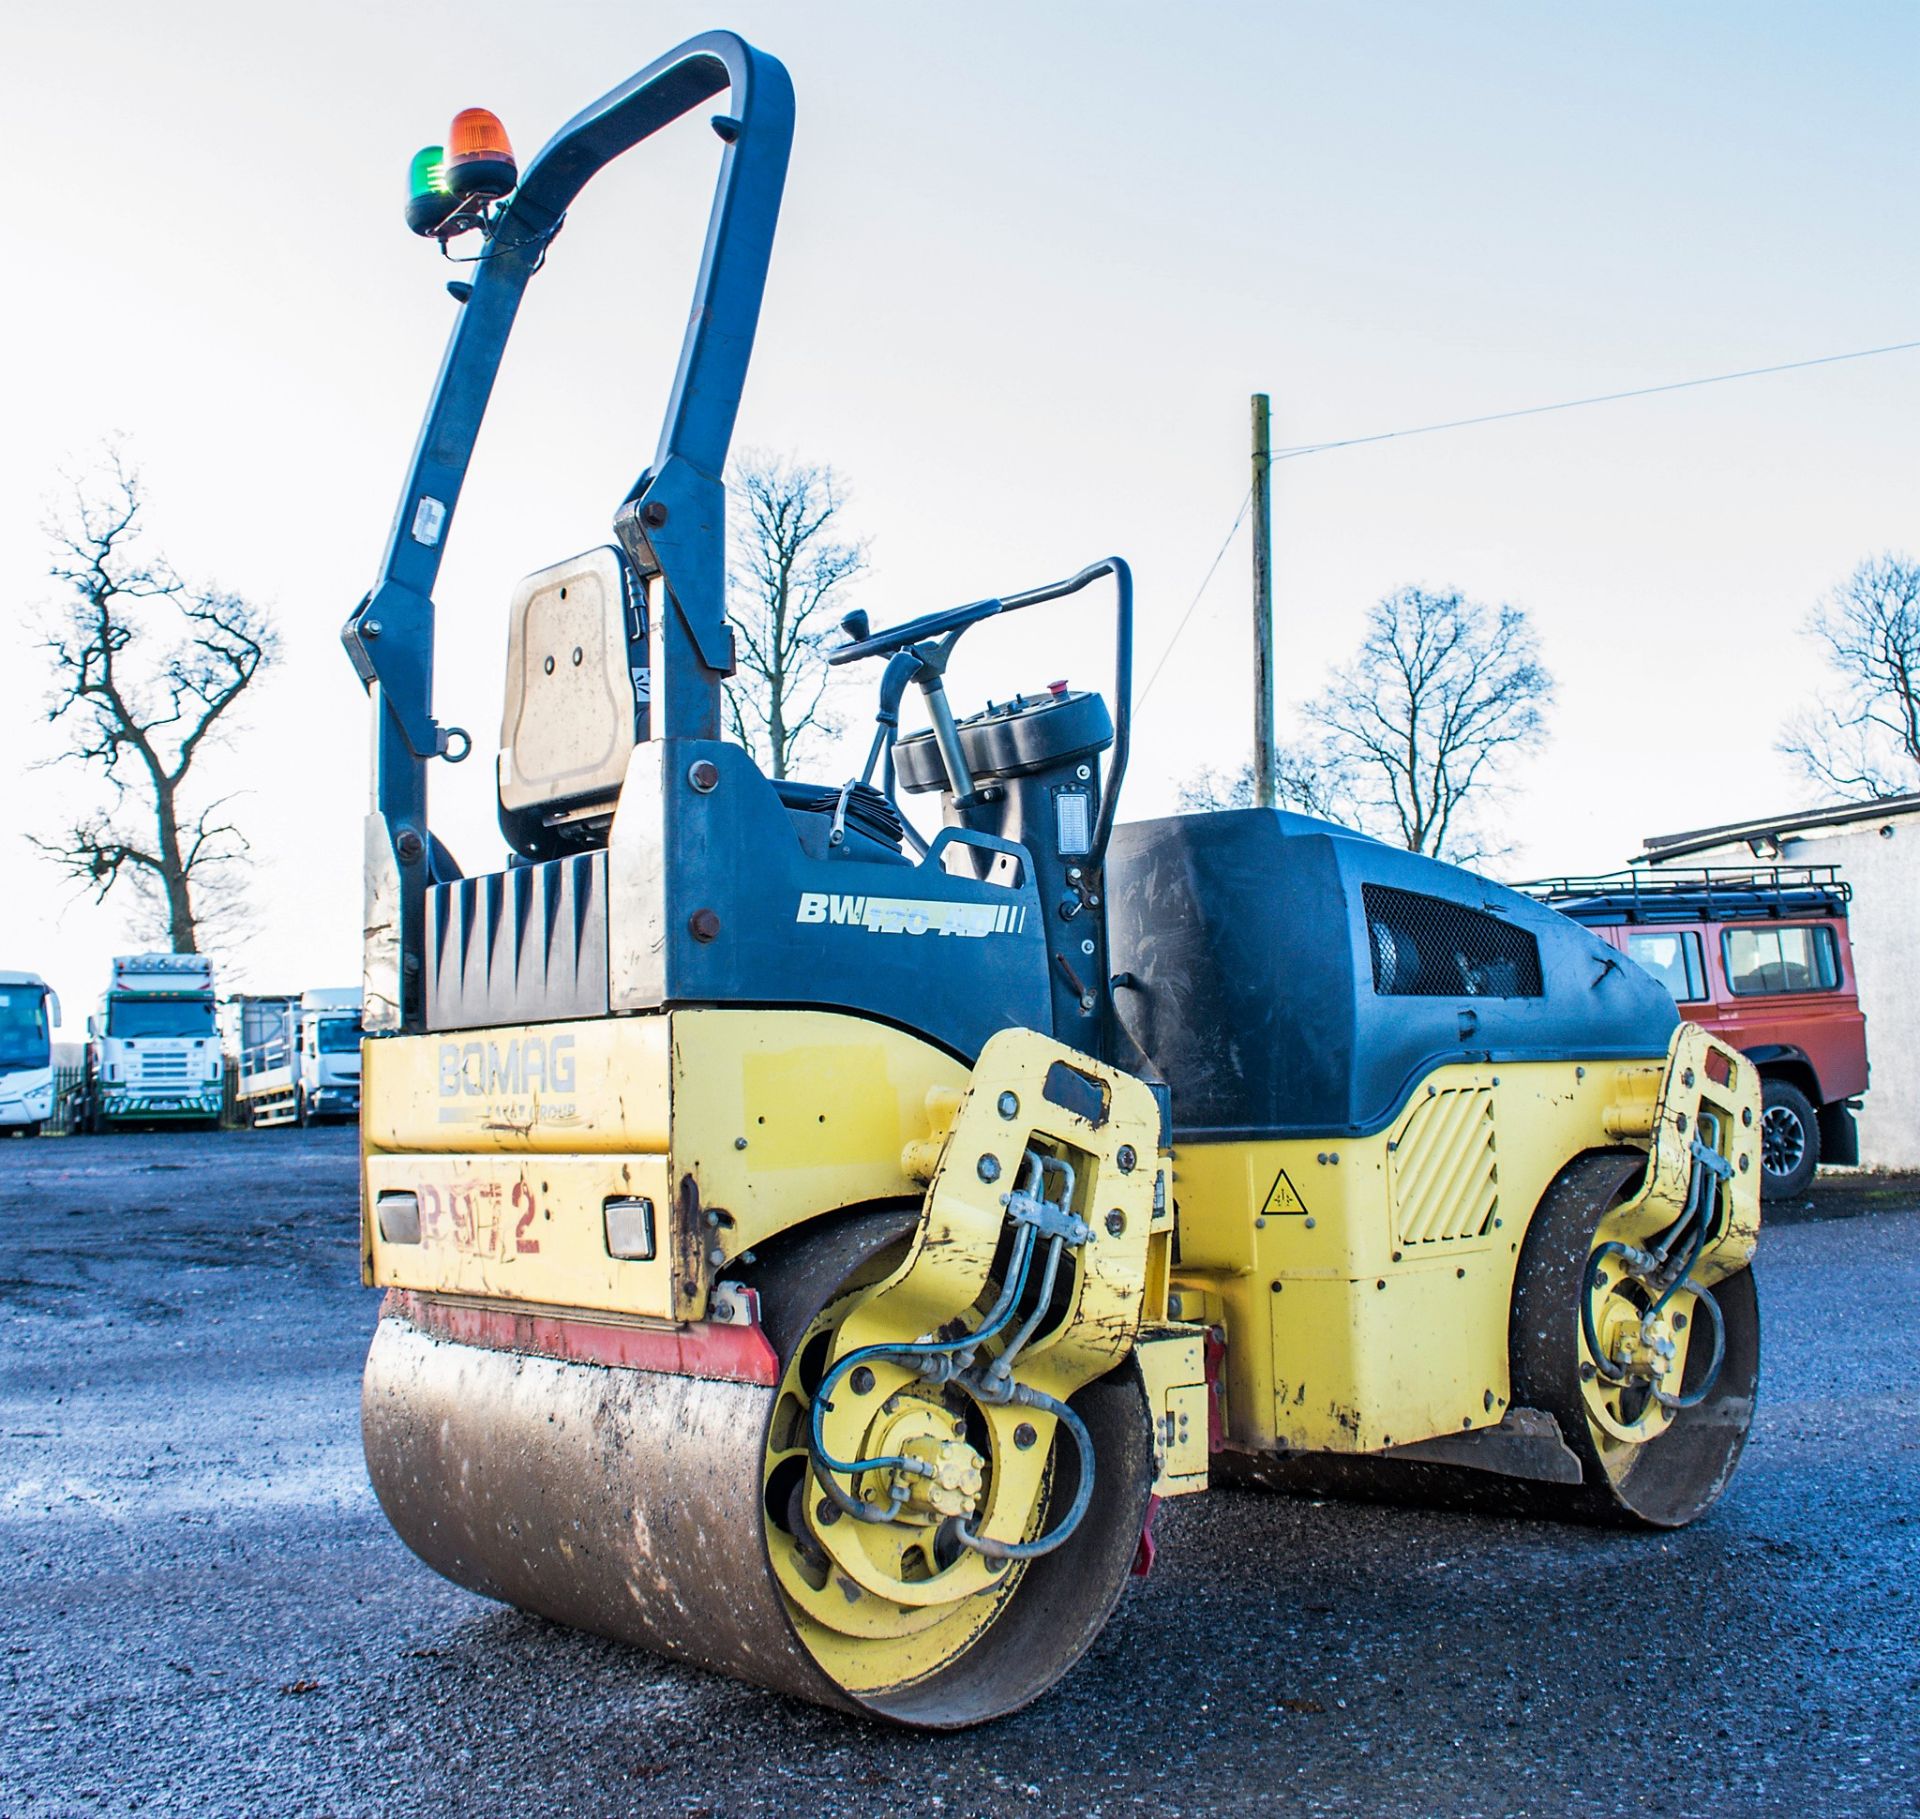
<point>1173,1366</point>
<point>780,1115</point>
<point>594,1087</point>
<point>1362,1365</point>
<point>533,1229</point>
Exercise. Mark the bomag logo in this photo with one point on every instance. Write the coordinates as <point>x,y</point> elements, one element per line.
<point>911,915</point>
<point>495,1070</point>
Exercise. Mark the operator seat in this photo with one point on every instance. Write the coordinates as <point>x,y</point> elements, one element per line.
<point>577,703</point>
<point>577,693</point>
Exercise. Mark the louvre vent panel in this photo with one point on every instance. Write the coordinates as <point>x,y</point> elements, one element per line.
<point>1444,1176</point>
<point>527,945</point>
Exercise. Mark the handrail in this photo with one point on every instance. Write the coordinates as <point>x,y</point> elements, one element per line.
<point>1115,566</point>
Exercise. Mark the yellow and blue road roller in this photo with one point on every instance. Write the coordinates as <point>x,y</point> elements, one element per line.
<point>811,1250</point>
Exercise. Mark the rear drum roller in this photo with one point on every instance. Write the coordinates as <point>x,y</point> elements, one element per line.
<point>1647,1459</point>
<point>687,1515</point>
<point>1641,1463</point>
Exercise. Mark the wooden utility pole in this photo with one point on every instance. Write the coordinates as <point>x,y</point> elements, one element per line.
<point>1263,760</point>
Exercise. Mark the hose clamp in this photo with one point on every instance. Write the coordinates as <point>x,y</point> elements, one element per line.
<point>1049,1220</point>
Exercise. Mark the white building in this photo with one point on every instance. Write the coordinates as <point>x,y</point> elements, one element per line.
<point>1876,845</point>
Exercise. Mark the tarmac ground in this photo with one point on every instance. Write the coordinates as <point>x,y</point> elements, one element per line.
<point>203,1610</point>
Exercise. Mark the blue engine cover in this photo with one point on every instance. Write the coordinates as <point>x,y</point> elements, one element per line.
<point>1294,978</point>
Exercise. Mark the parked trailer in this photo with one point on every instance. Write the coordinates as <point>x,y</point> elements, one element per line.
<point>153,1049</point>
<point>299,1057</point>
<point>29,1012</point>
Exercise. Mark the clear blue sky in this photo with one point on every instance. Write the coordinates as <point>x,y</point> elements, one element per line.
<point>1033,261</point>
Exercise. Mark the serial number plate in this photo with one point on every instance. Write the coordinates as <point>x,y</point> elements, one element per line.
<point>491,1219</point>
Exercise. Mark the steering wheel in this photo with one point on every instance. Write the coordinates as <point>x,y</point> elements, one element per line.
<point>919,661</point>
<point>928,625</point>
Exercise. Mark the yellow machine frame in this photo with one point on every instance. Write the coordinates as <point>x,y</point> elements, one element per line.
<point>1362,1285</point>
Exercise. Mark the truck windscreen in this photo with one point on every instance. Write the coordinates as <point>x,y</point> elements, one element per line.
<point>159,1017</point>
<point>23,1026</point>
<point>339,1035</point>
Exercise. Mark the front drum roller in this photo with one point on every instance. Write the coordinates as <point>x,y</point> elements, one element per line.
<point>677,1512</point>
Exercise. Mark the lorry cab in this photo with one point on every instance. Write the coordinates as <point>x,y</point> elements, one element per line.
<point>330,1032</point>
<point>29,1011</point>
<point>1760,957</point>
<point>153,1048</point>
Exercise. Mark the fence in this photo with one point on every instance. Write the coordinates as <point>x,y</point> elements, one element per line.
<point>66,1099</point>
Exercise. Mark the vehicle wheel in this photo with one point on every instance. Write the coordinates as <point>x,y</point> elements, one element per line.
<point>1789,1141</point>
<point>30,1130</point>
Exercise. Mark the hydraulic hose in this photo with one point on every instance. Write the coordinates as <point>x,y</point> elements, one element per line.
<point>1082,1496</point>
<point>1614,1373</point>
<point>997,1317</point>
<point>1601,1362</point>
<point>996,1387</point>
<point>1694,1397</point>
<point>1002,1366</point>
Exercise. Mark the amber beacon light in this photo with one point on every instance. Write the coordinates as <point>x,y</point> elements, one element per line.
<point>479,158</point>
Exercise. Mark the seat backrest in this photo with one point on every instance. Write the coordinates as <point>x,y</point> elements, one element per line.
<point>576,696</point>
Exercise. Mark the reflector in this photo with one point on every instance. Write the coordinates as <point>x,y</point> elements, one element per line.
<point>479,158</point>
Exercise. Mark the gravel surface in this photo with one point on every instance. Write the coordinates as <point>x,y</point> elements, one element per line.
<point>202,1610</point>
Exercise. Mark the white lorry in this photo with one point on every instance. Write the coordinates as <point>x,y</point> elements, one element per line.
<point>153,1051</point>
<point>300,1057</point>
<point>29,1012</point>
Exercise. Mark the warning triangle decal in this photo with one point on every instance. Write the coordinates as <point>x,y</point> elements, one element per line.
<point>1283,1197</point>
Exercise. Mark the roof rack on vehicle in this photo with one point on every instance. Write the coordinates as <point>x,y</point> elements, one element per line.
<point>1719,893</point>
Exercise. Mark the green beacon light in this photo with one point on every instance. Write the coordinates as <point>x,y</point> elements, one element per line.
<point>429,201</point>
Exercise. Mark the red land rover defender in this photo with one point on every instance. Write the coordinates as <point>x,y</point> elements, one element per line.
<point>1760,957</point>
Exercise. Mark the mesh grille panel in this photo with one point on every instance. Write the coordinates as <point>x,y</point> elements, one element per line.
<point>1426,947</point>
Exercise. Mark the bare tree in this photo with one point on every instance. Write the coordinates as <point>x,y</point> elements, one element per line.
<point>143,716</point>
<point>1864,740</point>
<point>1420,724</point>
<point>1303,780</point>
<point>788,577</point>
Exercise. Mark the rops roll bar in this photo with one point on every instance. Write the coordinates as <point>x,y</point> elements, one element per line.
<point>389,636</point>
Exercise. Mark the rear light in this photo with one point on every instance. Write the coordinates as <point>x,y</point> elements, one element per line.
<point>629,1224</point>
<point>398,1216</point>
<point>1719,1067</point>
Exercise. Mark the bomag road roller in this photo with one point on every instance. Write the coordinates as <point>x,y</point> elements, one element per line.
<point>812,1250</point>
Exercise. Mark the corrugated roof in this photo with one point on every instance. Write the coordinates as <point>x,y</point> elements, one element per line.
<point>1797,821</point>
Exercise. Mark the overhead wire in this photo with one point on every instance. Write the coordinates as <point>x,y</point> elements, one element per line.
<point>1570,404</point>
<point>1299,450</point>
<point>1206,581</point>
